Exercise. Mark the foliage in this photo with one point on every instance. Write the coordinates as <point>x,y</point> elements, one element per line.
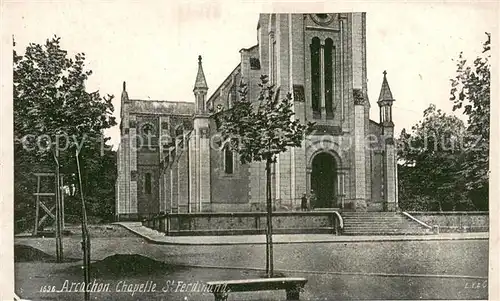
<point>50,97</point>
<point>98,177</point>
<point>432,155</point>
<point>53,110</point>
<point>470,92</point>
<point>260,130</point>
<point>444,178</point>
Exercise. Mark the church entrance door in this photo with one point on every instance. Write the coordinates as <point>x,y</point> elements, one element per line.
<point>323,180</point>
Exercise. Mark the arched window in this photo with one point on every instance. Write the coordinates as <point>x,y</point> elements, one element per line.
<point>315,75</point>
<point>231,97</point>
<point>228,160</point>
<point>329,77</point>
<point>147,183</point>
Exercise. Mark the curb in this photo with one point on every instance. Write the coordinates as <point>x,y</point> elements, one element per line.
<point>345,273</point>
<point>337,240</point>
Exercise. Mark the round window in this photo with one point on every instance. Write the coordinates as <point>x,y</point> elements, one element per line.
<point>322,19</point>
<point>147,129</point>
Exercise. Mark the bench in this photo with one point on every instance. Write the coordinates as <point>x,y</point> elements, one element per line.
<point>292,286</point>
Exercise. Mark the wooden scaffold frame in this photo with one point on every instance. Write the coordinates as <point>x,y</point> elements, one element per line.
<point>47,212</point>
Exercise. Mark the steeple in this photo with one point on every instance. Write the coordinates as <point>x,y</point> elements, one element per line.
<point>385,91</point>
<point>200,83</point>
<point>385,101</point>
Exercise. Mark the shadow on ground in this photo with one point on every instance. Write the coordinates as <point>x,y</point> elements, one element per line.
<point>127,265</point>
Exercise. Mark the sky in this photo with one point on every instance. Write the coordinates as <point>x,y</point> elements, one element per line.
<point>154,46</point>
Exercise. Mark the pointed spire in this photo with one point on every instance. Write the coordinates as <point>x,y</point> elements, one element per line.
<point>385,91</point>
<point>124,92</point>
<point>200,83</point>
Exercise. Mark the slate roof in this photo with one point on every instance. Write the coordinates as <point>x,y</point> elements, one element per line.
<point>140,106</point>
<point>201,82</point>
<point>385,91</point>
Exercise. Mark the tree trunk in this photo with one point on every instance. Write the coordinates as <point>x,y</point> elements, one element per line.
<point>85,234</point>
<point>269,232</point>
<point>58,208</point>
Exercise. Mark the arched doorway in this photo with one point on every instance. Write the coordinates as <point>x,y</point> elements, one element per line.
<point>324,180</point>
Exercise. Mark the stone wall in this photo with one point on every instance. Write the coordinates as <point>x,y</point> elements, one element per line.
<point>455,221</point>
<point>233,223</point>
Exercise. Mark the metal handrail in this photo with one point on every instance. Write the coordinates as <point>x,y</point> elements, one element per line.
<point>416,220</point>
<point>341,220</point>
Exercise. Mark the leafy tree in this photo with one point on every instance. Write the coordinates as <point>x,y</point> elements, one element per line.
<point>470,92</point>
<point>259,130</point>
<point>431,156</point>
<point>440,178</point>
<point>54,116</point>
<point>52,109</point>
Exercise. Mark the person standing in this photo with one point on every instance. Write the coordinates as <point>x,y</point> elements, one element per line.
<point>312,200</point>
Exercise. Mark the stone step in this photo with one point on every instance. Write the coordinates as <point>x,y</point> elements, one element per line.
<point>374,224</point>
<point>373,217</point>
<point>394,225</point>
<point>380,227</point>
<point>379,223</point>
<point>385,233</point>
<point>347,229</point>
<point>396,220</point>
<point>369,213</point>
<point>375,221</point>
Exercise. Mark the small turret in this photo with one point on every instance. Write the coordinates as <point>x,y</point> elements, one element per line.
<point>200,89</point>
<point>385,101</point>
<point>124,92</point>
<point>124,101</point>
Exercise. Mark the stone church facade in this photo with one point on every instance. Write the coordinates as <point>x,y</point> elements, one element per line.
<point>171,159</point>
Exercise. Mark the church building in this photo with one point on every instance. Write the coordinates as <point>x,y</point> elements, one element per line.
<point>171,158</point>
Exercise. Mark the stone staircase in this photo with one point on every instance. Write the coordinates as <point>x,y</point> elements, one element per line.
<point>381,223</point>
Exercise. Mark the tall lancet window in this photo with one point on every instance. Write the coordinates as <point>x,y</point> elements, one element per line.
<point>315,75</point>
<point>329,77</point>
<point>228,160</point>
<point>275,67</point>
<point>147,183</point>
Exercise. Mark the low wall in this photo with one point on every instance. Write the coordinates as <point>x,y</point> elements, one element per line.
<point>455,221</point>
<point>241,223</point>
